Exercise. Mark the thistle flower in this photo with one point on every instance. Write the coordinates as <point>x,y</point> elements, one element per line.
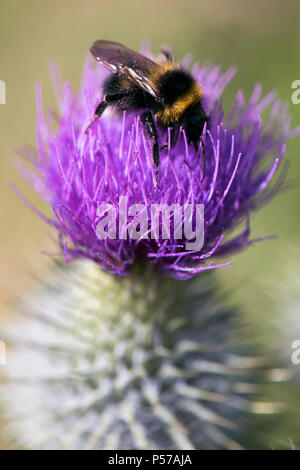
<point>76,172</point>
<point>140,362</point>
<point>144,360</point>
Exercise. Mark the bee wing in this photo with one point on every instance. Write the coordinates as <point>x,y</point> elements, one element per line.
<point>133,66</point>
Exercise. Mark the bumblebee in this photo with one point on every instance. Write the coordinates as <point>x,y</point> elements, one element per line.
<point>162,92</point>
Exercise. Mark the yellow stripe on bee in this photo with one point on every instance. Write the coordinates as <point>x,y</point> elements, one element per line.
<point>163,68</point>
<point>171,114</point>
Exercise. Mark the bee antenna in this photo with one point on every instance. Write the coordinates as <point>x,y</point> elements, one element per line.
<point>156,177</point>
<point>167,53</point>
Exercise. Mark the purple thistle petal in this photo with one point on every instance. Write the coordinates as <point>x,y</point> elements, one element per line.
<point>76,172</point>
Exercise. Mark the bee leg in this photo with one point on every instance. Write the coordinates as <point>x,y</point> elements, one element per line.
<point>174,134</point>
<point>98,113</point>
<point>163,147</point>
<point>150,129</point>
<point>173,137</point>
<point>109,99</point>
<point>114,97</point>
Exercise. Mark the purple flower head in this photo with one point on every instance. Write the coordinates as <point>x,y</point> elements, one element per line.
<point>78,171</point>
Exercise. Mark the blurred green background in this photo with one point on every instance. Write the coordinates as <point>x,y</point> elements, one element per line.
<point>261,38</point>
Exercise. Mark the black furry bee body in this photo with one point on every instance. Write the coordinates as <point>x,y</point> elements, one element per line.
<point>161,92</point>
